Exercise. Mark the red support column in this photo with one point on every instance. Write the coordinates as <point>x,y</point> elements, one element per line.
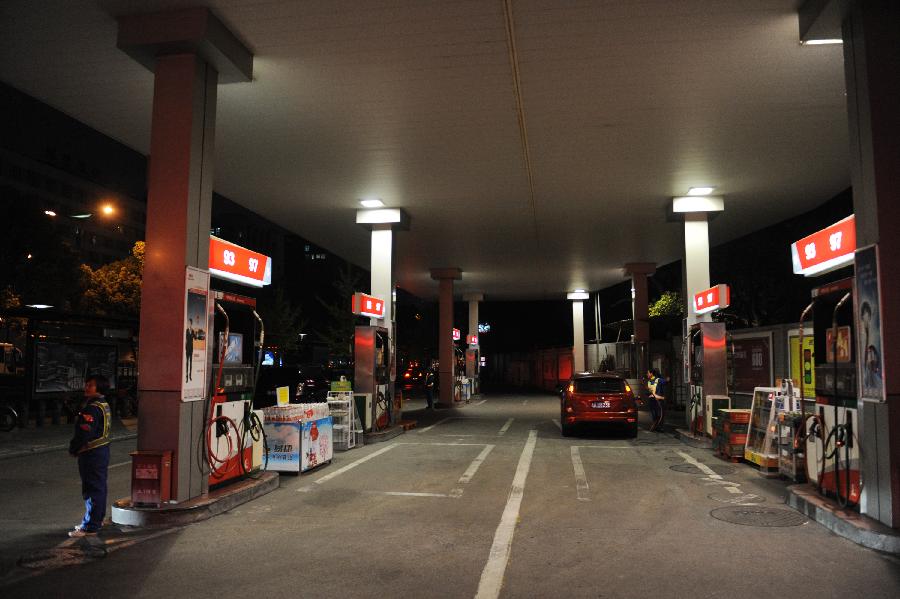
<point>446,276</point>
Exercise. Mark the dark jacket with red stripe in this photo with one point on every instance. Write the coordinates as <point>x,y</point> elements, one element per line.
<point>91,426</point>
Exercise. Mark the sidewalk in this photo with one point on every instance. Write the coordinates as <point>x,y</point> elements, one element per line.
<point>804,498</point>
<point>33,440</point>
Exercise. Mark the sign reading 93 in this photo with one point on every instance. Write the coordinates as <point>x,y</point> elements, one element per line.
<point>235,263</point>
<point>825,250</point>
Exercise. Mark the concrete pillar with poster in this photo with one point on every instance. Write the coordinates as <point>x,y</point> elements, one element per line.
<point>639,271</point>
<point>189,52</point>
<point>446,346</point>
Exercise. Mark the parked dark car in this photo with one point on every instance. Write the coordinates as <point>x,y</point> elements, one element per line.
<point>306,383</point>
<point>598,398</point>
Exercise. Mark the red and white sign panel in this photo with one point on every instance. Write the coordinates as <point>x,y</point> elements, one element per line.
<point>457,335</point>
<point>367,305</point>
<point>714,298</point>
<point>472,339</point>
<point>825,250</point>
<point>235,263</point>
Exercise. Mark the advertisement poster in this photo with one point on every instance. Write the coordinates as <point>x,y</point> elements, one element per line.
<point>283,441</point>
<point>316,443</point>
<point>193,381</point>
<point>868,324</point>
<point>843,345</point>
<point>752,363</point>
<point>802,368</point>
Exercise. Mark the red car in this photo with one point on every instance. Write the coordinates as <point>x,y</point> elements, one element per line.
<point>598,398</point>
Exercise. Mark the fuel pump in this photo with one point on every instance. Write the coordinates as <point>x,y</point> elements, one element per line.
<point>373,355</point>
<point>832,444</point>
<point>233,436</point>
<point>707,374</point>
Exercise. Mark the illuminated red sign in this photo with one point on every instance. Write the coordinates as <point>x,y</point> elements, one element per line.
<point>456,335</point>
<point>714,298</point>
<point>367,305</point>
<point>472,339</point>
<point>825,250</point>
<point>235,263</point>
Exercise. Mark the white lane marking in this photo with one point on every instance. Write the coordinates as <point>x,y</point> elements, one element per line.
<point>558,425</point>
<point>111,466</point>
<point>505,427</point>
<point>442,444</point>
<point>428,428</point>
<point>349,466</point>
<point>581,483</point>
<point>492,576</point>
<point>525,402</point>
<point>478,403</point>
<point>703,467</point>
<point>405,494</point>
<point>471,470</point>
<point>608,446</point>
<point>456,436</point>
<point>733,490</point>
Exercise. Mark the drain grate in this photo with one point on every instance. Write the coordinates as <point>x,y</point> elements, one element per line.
<point>737,498</point>
<point>765,517</point>
<point>691,469</point>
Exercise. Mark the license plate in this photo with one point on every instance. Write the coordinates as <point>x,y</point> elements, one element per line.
<point>600,404</point>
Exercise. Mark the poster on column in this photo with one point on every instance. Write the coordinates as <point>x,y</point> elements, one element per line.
<point>868,324</point>
<point>196,346</point>
<point>752,362</point>
<point>802,363</point>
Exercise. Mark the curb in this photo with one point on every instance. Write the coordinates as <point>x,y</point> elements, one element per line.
<point>197,510</point>
<point>694,441</point>
<point>61,446</point>
<point>845,523</point>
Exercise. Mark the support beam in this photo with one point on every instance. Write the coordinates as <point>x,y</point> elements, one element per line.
<point>473,366</point>
<point>446,276</point>
<point>640,308</point>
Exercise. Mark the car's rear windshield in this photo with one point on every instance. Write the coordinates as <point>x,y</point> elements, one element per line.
<point>603,385</point>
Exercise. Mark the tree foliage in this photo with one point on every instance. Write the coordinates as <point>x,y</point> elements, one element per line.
<point>284,323</point>
<point>114,289</point>
<point>668,304</point>
<point>338,333</point>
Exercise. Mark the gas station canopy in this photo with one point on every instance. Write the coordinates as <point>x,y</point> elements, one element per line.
<point>534,144</point>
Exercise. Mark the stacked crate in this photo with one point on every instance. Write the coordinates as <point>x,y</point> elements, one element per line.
<point>730,433</point>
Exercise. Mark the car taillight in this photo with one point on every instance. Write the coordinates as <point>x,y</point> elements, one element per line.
<point>627,388</point>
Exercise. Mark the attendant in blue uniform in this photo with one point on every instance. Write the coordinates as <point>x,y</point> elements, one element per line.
<point>91,446</point>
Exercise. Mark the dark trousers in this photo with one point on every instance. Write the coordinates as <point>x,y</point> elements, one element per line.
<point>92,467</point>
<point>429,396</point>
<point>657,410</point>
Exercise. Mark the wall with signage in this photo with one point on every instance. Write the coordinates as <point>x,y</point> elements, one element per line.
<point>752,361</point>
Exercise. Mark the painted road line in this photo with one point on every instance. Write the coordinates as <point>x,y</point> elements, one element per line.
<point>111,466</point>
<point>471,470</point>
<point>505,427</point>
<point>581,483</point>
<point>733,490</point>
<point>440,443</point>
<point>478,403</point>
<point>558,425</point>
<point>428,428</point>
<point>405,494</point>
<point>703,467</point>
<point>525,403</point>
<point>492,576</point>
<point>349,466</point>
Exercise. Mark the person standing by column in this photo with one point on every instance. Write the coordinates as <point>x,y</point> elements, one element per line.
<point>656,385</point>
<point>91,446</point>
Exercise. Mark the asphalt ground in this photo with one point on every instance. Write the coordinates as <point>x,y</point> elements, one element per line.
<point>484,501</point>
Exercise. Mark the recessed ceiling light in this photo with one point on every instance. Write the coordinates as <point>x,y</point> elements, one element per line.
<point>38,306</point>
<point>372,203</point>
<point>81,216</point>
<point>49,213</point>
<point>700,191</point>
<point>822,42</point>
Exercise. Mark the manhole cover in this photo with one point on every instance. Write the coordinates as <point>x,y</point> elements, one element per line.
<point>678,458</point>
<point>691,469</point>
<point>737,498</point>
<point>758,516</point>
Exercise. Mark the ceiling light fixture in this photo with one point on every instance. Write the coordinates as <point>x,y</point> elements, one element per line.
<point>822,42</point>
<point>578,295</point>
<point>700,191</point>
<point>372,203</point>
<point>49,213</point>
<point>38,306</point>
<point>81,215</point>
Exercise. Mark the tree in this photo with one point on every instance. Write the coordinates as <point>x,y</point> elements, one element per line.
<point>338,334</point>
<point>668,304</point>
<point>284,323</point>
<point>115,288</point>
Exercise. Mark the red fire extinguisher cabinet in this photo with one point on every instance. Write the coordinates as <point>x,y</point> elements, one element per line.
<point>151,477</point>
